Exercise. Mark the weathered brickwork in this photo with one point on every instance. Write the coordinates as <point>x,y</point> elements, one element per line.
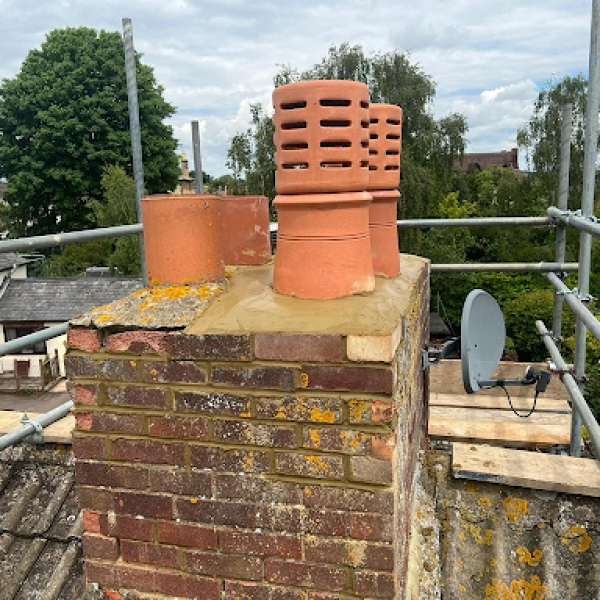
<point>247,467</point>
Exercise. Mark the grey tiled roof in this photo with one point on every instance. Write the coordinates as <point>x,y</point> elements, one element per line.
<point>60,299</point>
<point>40,525</point>
<point>9,259</point>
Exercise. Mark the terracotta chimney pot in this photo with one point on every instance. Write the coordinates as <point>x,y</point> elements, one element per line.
<point>385,146</point>
<point>321,137</point>
<point>245,230</point>
<point>384,232</point>
<point>182,239</point>
<point>323,245</point>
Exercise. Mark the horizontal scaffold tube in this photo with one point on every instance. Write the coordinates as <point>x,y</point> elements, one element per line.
<point>579,402</point>
<point>33,338</point>
<point>72,237</point>
<point>574,220</point>
<point>29,428</point>
<point>576,305</point>
<point>503,267</point>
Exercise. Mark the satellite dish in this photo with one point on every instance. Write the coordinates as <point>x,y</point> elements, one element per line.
<point>483,333</point>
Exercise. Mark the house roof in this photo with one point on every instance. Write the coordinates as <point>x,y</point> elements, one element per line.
<point>10,259</point>
<point>484,160</point>
<point>40,525</point>
<point>60,299</point>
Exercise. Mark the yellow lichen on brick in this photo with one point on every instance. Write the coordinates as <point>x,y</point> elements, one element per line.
<point>515,508</point>
<point>318,462</point>
<point>577,539</point>
<point>304,380</point>
<point>321,416</point>
<point>314,436</point>
<point>484,501</point>
<point>478,535</point>
<point>358,409</point>
<point>525,556</point>
<point>517,589</point>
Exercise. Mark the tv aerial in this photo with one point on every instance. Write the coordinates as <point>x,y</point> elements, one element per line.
<point>480,347</point>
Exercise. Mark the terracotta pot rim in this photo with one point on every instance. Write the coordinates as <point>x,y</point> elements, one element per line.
<point>329,83</point>
<point>384,194</point>
<point>335,198</point>
<point>246,198</point>
<point>171,197</point>
<point>383,106</point>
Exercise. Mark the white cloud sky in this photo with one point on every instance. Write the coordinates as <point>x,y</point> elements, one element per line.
<point>214,58</point>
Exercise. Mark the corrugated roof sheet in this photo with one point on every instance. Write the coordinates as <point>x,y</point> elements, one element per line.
<point>40,525</point>
<point>60,299</point>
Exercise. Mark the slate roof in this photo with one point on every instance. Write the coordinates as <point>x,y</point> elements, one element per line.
<point>9,259</point>
<point>60,299</point>
<point>40,525</point>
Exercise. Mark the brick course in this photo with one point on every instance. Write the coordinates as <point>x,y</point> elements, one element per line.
<point>247,467</point>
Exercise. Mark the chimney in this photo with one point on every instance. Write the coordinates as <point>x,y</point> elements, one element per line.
<point>268,450</point>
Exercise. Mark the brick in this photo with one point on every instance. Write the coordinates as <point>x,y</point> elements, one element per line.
<point>236,461</point>
<point>173,372</point>
<point>242,432</point>
<point>348,378</point>
<point>365,526</point>
<point>371,470</point>
<point>187,586</point>
<point>95,499</point>
<point>288,519</point>
<point>212,403</point>
<point>309,465</point>
<point>374,584</point>
<point>116,476</point>
<point>335,439</point>
<point>81,338</point>
<point>140,397</point>
<point>260,544</point>
<point>185,534</point>
<point>245,590</point>
<point>178,427</point>
<point>383,446</point>
<point>130,528</point>
<point>148,451</point>
<point>373,348</point>
<point>300,408</point>
<point>232,514</point>
<point>81,394</point>
<point>91,368</point>
<point>145,505</point>
<point>298,347</point>
<point>107,422</point>
<point>92,521</point>
<point>100,546</point>
<point>325,522</point>
<point>209,347</point>
<point>223,565</point>
<point>302,574</point>
<point>137,342</point>
<point>262,377</point>
<point>349,499</point>
<point>348,553</point>
<point>88,447</point>
<point>180,481</point>
<point>247,487</point>
<point>149,554</point>
<point>121,576</point>
<point>365,412</point>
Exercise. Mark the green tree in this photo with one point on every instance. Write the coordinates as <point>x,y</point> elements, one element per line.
<point>118,208</point>
<point>63,117</point>
<point>540,138</point>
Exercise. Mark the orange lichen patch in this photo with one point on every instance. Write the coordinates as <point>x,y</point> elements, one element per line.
<point>484,501</point>
<point>193,500</point>
<point>515,508</point>
<point>318,462</point>
<point>358,409</point>
<point>322,416</point>
<point>314,436</point>
<point>151,297</point>
<point>304,381</point>
<point>483,537</point>
<point>577,539</point>
<point>525,556</point>
<point>517,589</point>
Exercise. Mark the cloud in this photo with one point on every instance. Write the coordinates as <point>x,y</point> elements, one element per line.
<point>215,58</point>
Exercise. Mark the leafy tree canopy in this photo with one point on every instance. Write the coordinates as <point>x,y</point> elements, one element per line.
<point>63,117</point>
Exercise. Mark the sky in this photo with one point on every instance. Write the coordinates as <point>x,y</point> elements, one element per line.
<point>215,58</point>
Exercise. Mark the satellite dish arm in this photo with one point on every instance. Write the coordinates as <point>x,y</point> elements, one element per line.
<point>432,356</point>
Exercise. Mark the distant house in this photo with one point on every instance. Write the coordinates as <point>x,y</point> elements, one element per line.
<point>480,161</point>
<point>28,305</point>
<point>15,264</point>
